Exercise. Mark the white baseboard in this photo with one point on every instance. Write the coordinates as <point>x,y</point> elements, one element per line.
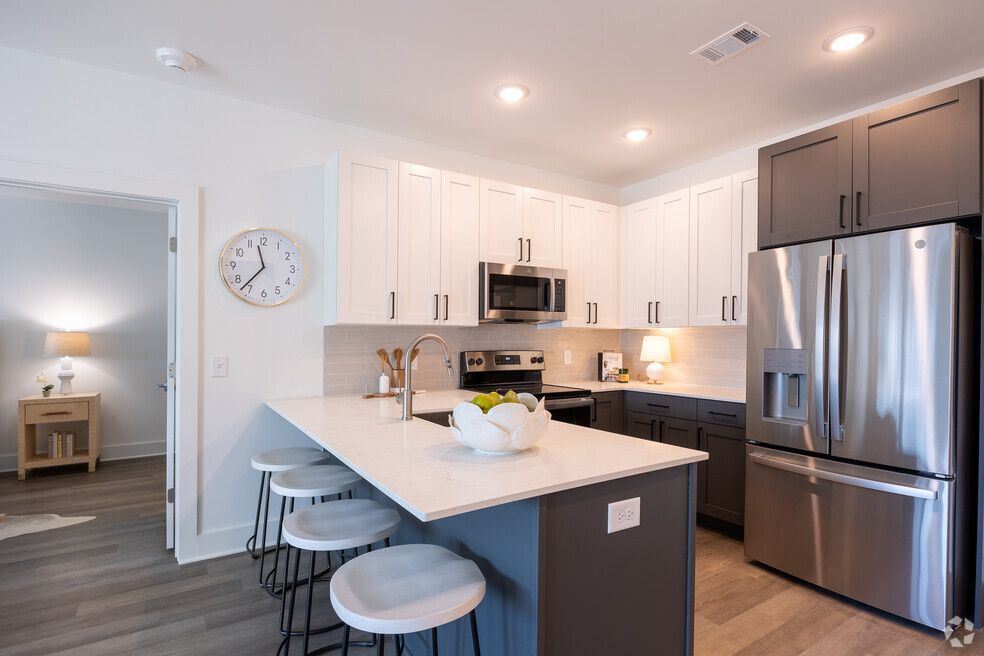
<point>8,462</point>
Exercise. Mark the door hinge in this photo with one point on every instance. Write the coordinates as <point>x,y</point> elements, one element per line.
<point>170,370</point>
<point>170,495</point>
<point>172,244</point>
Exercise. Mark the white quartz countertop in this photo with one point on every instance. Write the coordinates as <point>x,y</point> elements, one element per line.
<point>730,394</point>
<point>420,466</point>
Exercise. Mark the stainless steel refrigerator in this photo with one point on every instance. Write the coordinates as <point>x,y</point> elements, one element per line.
<point>861,462</point>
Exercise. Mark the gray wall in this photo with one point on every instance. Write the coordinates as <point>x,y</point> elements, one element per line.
<point>84,266</point>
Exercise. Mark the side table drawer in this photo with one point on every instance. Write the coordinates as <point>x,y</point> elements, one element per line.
<point>46,413</point>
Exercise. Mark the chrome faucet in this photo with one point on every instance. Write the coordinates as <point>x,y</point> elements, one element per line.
<point>405,395</point>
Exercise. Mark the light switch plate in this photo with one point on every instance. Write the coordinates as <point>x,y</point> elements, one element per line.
<point>567,356</point>
<point>624,514</point>
<point>220,366</point>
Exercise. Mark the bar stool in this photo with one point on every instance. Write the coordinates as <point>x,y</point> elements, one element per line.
<point>406,589</point>
<point>313,481</point>
<point>267,463</point>
<point>332,526</point>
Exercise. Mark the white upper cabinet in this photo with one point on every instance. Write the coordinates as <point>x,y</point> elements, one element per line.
<point>543,228</point>
<point>711,253</point>
<point>419,271</point>
<point>361,237</point>
<point>604,249</point>
<point>501,236</point>
<point>459,249</point>
<point>519,224</point>
<point>744,235</point>
<point>672,297</point>
<point>577,261</point>
<point>638,240</point>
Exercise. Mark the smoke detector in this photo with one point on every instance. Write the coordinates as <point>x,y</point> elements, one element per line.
<point>176,60</point>
<point>730,44</point>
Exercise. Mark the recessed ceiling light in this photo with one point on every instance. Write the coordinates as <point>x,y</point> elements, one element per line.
<point>511,93</point>
<point>637,134</point>
<point>848,39</point>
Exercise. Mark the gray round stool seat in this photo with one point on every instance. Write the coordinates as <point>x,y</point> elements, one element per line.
<point>340,525</point>
<point>314,481</point>
<point>406,589</point>
<point>277,460</point>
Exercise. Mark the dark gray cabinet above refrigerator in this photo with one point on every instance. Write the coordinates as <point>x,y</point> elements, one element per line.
<point>912,163</point>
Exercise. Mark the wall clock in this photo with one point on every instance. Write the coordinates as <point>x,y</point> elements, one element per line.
<point>262,266</point>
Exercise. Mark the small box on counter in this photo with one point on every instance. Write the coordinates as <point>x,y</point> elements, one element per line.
<point>609,363</point>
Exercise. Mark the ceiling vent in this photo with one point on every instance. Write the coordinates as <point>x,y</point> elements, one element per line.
<point>730,43</point>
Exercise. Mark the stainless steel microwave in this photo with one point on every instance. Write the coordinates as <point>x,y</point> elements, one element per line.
<point>521,293</point>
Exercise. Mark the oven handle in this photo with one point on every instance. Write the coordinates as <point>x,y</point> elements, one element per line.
<point>566,404</point>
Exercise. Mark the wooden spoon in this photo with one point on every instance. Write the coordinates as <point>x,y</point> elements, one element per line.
<point>413,356</point>
<point>384,357</point>
<point>398,356</point>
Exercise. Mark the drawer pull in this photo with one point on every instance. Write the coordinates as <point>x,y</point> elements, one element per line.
<point>658,405</point>
<point>59,412</point>
<point>722,414</point>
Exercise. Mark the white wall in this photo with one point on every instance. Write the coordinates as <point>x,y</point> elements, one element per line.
<point>256,165</point>
<point>71,265</point>
<point>747,157</point>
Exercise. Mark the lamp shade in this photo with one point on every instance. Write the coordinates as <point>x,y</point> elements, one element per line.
<point>655,348</point>
<point>66,343</point>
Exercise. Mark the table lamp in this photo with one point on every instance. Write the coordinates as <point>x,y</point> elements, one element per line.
<point>66,345</point>
<point>656,350</point>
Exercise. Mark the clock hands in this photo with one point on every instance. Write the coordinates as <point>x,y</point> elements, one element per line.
<point>262,266</point>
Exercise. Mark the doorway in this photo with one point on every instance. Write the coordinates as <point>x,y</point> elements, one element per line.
<point>102,267</point>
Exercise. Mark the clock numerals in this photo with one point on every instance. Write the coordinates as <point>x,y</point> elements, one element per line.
<point>251,274</point>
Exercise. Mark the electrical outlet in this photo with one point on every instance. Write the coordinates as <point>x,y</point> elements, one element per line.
<point>567,356</point>
<point>623,514</point>
<point>220,366</point>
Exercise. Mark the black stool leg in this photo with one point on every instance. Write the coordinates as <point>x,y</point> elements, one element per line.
<point>345,640</point>
<point>380,646</point>
<point>474,629</point>
<point>283,592</point>
<point>290,610</point>
<point>251,542</point>
<point>434,641</point>
<point>310,601</point>
<point>263,549</point>
<point>272,587</point>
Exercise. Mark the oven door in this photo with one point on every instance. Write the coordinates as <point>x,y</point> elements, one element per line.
<point>513,292</point>
<point>571,411</point>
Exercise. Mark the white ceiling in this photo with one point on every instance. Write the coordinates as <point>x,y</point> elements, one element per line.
<point>426,69</point>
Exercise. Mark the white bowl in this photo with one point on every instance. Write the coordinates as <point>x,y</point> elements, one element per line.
<point>507,428</point>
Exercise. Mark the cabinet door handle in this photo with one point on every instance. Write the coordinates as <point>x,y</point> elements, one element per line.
<point>52,414</point>
<point>657,311</point>
<point>596,312</point>
<point>437,306</point>
<point>589,313</point>
<point>529,249</point>
<point>649,312</point>
<point>447,306</point>
<point>700,439</point>
<point>724,302</point>
<point>734,300</point>
<point>857,209</point>
<point>520,240</point>
<point>662,430</point>
<point>840,216</point>
<point>392,305</point>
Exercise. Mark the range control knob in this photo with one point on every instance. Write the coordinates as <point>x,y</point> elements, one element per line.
<point>480,362</point>
<point>471,362</point>
<point>539,360</point>
<point>533,359</point>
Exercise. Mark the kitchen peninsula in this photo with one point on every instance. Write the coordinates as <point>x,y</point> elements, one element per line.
<point>536,522</point>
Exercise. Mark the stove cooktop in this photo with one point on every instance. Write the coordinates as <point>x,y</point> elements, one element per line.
<point>536,389</point>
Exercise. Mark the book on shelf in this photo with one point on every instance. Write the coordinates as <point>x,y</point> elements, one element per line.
<point>69,444</point>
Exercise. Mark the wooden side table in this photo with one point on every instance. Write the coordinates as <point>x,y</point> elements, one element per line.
<point>57,408</point>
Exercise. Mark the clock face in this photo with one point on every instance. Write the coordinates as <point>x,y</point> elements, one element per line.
<point>262,266</point>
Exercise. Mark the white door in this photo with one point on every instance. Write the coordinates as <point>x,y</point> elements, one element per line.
<point>638,264</point>
<point>367,239</point>
<point>544,228</point>
<point>501,217</point>
<point>673,260</point>
<point>419,277</point>
<point>459,249</point>
<point>577,261</point>
<point>169,373</point>
<point>603,249</point>
<point>710,253</point>
<point>744,237</point>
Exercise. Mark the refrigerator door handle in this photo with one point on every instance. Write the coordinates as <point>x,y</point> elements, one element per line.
<point>820,351</point>
<point>835,477</point>
<point>835,393</point>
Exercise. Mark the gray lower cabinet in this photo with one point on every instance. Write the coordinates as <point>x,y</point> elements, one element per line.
<point>678,432</point>
<point>608,413</point>
<point>641,425</point>
<point>721,478</point>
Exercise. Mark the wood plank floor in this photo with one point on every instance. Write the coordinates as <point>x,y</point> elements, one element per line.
<point>108,587</point>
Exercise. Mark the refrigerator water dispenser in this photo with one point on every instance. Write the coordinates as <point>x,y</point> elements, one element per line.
<point>784,385</point>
